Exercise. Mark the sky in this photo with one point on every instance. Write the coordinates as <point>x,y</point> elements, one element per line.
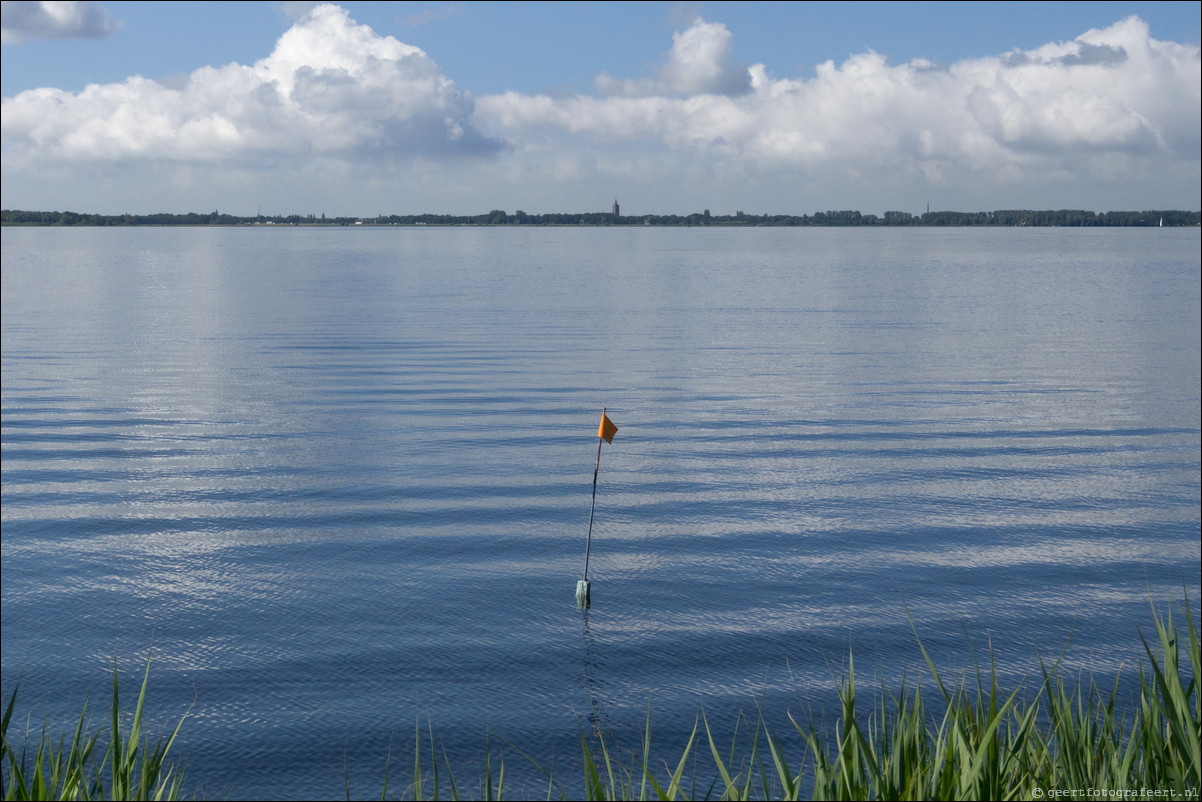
<point>460,108</point>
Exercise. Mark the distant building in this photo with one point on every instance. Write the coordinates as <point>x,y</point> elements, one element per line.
<point>616,212</point>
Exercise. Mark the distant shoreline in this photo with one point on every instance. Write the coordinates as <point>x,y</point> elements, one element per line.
<point>1003,218</point>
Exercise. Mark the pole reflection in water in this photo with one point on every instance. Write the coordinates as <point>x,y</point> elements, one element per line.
<point>593,684</point>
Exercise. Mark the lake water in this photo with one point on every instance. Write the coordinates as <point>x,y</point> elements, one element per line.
<point>332,481</point>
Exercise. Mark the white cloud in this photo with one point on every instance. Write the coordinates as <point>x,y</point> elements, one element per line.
<point>1104,121</point>
<point>699,62</point>
<point>330,87</point>
<point>1115,89</point>
<point>54,20</point>
<point>1111,105</point>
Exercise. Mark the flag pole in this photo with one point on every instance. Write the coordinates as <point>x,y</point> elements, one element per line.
<point>596,469</point>
<point>583,587</point>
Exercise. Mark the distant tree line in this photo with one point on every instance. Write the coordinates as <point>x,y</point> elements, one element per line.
<point>499,217</point>
<point>215,218</point>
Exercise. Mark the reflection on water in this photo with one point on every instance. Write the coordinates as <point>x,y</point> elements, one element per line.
<point>336,481</point>
<point>592,682</point>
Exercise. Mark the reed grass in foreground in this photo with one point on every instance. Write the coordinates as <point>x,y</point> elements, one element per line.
<point>974,742</point>
<point>129,767</point>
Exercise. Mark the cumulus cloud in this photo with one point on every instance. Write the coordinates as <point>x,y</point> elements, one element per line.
<point>331,87</point>
<point>54,20</point>
<point>1109,90</point>
<point>1112,96</point>
<point>1112,111</point>
<point>700,62</point>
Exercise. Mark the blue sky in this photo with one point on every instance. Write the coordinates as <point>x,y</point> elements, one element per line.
<point>672,107</point>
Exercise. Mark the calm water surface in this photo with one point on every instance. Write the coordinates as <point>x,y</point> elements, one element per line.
<point>332,481</point>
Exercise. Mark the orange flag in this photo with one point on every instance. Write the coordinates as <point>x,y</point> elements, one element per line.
<point>607,430</point>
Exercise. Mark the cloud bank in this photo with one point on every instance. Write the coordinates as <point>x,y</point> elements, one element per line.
<point>1109,118</point>
<point>330,87</point>
<point>54,20</point>
<point>1110,101</point>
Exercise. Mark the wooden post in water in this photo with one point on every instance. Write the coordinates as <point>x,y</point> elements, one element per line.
<point>605,432</point>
